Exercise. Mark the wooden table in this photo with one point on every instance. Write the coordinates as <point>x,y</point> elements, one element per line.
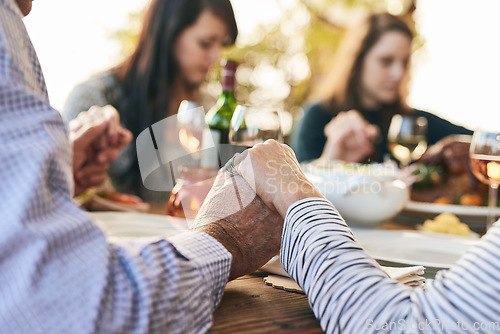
<point>250,306</point>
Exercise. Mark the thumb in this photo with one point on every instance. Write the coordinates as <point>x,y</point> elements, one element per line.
<point>372,131</point>
<point>89,133</point>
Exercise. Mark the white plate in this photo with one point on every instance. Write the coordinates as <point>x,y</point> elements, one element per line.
<point>474,216</point>
<point>414,247</point>
<point>463,210</point>
<point>137,225</point>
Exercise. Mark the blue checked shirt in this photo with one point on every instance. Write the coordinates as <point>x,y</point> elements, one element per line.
<point>57,272</point>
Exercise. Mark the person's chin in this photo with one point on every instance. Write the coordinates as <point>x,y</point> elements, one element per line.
<point>197,81</point>
<point>26,7</point>
<point>389,98</point>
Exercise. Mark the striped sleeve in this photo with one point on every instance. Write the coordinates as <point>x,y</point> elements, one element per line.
<point>349,292</point>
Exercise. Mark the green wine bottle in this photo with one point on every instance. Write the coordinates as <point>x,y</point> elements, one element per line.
<point>218,118</point>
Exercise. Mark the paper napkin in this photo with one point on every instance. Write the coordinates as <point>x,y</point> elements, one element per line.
<point>410,276</point>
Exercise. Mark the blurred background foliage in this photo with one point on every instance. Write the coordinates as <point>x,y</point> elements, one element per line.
<point>282,62</point>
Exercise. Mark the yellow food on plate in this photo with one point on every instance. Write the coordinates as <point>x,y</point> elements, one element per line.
<point>471,199</point>
<point>446,223</point>
<point>443,200</point>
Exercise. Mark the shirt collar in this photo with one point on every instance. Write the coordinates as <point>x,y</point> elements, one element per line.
<point>13,6</point>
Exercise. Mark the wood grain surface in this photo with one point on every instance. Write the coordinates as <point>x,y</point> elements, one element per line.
<point>250,306</point>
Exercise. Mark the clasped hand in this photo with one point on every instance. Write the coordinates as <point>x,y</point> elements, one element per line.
<point>245,210</point>
<point>349,137</point>
<point>96,137</point>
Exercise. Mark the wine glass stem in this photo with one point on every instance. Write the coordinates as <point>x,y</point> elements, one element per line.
<point>492,204</point>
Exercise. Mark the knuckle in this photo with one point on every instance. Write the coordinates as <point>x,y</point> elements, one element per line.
<point>93,109</point>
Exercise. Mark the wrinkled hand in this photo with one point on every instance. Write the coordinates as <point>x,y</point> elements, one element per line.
<point>452,152</point>
<point>96,137</point>
<point>273,171</point>
<point>349,137</point>
<point>241,222</point>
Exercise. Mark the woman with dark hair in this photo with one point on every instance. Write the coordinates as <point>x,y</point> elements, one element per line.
<point>180,42</point>
<point>367,87</point>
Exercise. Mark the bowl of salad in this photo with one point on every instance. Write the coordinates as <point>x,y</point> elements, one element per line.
<point>364,194</point>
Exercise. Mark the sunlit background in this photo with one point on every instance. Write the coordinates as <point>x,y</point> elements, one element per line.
<point>455,74</point>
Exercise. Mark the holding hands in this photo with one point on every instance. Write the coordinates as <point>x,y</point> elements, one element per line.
<point>274,173</point>
<point>96,137</point>
<point>246,207</point>
<point>349,137</point>
<point>241,222</point>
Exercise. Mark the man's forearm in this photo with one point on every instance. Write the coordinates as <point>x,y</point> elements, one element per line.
<point>251,235</point>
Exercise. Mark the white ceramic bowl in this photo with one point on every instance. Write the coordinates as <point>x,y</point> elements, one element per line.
<point>365,195</point>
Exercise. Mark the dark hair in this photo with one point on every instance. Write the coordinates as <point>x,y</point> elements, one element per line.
<point>345,81</point>
<point>147,73</point>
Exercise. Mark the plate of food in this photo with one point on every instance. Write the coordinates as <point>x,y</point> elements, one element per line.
<point>109,200</point>
<point>468,213</point>
<point>440,191</point>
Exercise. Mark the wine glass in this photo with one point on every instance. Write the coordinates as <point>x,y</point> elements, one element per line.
<point>190,191</point>
<point>191,123</point>
<point>485,165</point>
<point>407,138</point>
<point>251,125</point>
<point>194,180</point>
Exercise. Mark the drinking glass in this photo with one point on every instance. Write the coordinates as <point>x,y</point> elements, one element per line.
<point>190,123</point>
<point>485,165</point>
<point>190,191</point>
<point>195,181</point>
<point>407,138</point>
<point>251,125</point>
